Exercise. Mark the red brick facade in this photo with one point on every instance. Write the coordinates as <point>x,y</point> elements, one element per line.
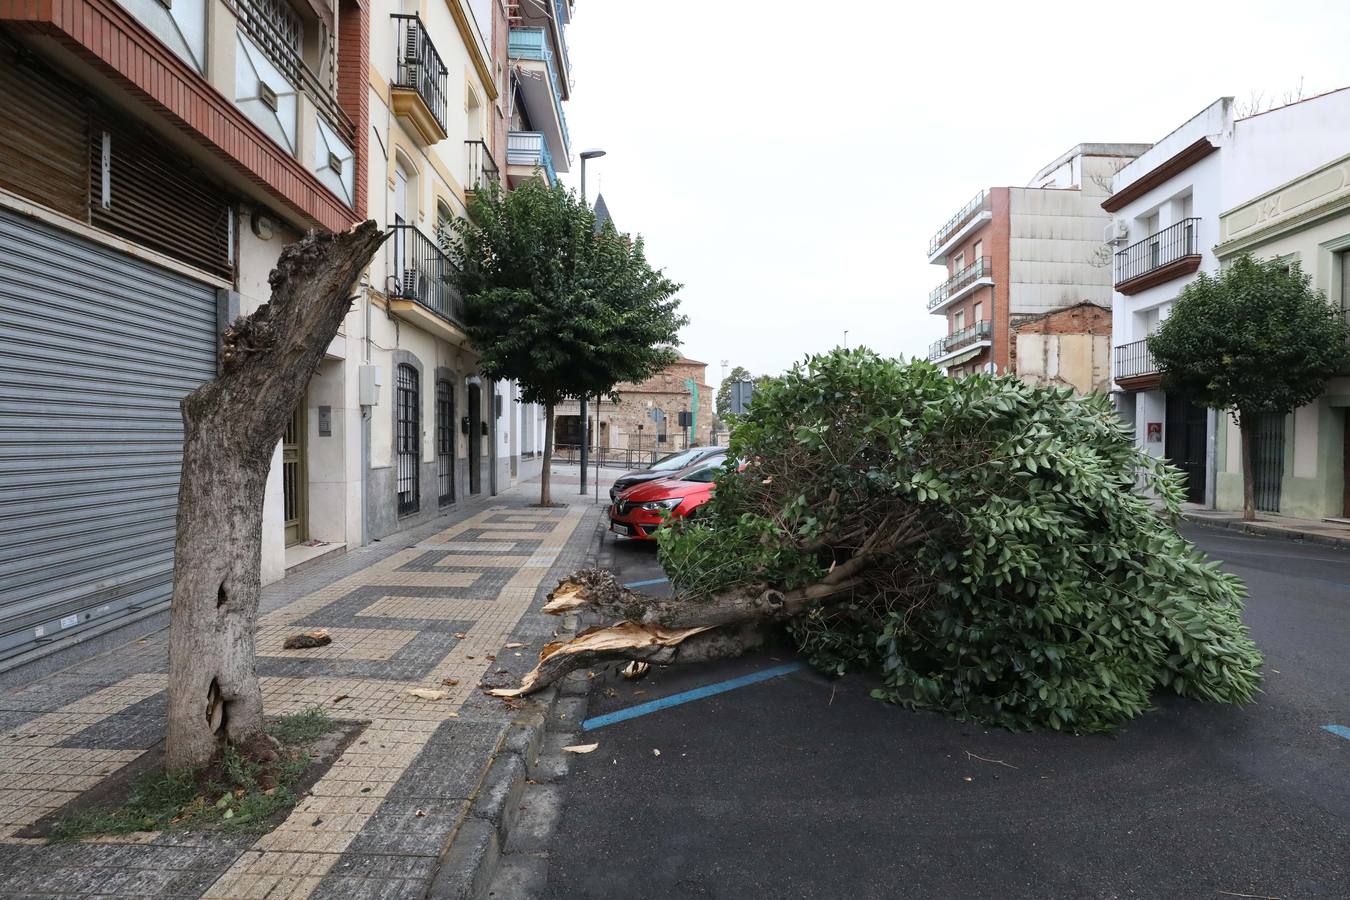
<point>105,35</point>
<point>993,238</point>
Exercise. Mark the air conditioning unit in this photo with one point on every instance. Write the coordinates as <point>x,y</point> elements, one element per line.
<point>1117,231</point>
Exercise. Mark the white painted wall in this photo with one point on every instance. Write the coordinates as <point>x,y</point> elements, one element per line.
<point>1276,147</point>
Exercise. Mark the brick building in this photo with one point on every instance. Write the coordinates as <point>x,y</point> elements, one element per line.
<point>1069,347</point>
<point>1016,253</point>
<point>629,424</point>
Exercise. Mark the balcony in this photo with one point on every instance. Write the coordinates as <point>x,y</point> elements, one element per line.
<point>973,215</point>
<point>276,32</point>
<point>541,85</point>
<point>1133,366</point>
<point>1170,253</point>
<point>418,91</point>
<point>527,156</point>
<point>422,288</point>
<point>964,283</point>
<point>943,352</point>
<point>483,171</point>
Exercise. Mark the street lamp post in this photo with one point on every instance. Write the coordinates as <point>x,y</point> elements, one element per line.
<point>585,425</point>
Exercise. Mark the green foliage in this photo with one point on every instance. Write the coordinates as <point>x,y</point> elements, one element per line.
<point>233,794</point>
<point>1257,338</point>
<point>565,310</point>
<point>1035,585</point>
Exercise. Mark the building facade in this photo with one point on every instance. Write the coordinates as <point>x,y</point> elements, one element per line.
<point>1016,253</point>
<point>646,417</point>
<point>1166,208</point>
<point>155,159</point>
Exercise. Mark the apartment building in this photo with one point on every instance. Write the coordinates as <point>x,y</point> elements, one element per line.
<point>1167,207</point>
<point>155,159</point>
<point>1016,254</point>
<point>152,156</point>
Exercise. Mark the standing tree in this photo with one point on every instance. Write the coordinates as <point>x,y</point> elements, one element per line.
<point>231,428</point>
<point>723,402</point>
<point>557,306</point>
<point>1258,338</point>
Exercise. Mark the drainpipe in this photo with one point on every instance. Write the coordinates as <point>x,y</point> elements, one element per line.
<point>492,437</point>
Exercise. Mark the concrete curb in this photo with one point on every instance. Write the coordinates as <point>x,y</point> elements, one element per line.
<point>472,858</point>
<point>1262,529</point>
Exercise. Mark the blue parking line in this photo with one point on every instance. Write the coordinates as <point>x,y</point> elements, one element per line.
<point>709,690</point>
<point>633,584</point>
<point>1341,730</point>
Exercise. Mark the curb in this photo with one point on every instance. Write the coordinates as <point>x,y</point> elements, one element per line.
<point>1261,529</point>
<point>474,855</point>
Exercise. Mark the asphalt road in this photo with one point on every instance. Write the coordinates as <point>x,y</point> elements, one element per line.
<point>802,787</point>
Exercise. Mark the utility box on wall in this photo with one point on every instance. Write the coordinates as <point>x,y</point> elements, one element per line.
<point>369,385</point>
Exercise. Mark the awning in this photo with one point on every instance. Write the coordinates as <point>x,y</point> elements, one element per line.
<point>964,357</point>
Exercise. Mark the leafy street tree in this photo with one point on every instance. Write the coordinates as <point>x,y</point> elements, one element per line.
<point>978,543</point>
<point>723,402</point>
<point>232,425</point>
<point>1256,339</point>
<point>564,310</point>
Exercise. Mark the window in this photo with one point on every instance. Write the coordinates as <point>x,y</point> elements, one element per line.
<point>407,439</point>
<point>979,254</point>
<point>444,225</point>
<point>958,320</point>
<point>958,262</point>
<point>977,312</point>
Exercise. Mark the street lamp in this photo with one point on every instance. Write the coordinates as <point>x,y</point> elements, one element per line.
<point>585,155</point>
<point>585,430</point>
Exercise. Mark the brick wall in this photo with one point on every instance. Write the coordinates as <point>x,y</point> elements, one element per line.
<point>665,391</point>
<point>1066,348</point>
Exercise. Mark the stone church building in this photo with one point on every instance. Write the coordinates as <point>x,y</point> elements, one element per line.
<point>647,414</point>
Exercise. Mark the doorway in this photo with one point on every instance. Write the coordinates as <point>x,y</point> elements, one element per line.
<point>1268,461</point>
<point>475,438</point>
<point>294,480</point>
<point>445,442</point>
<point>1184,444</point>
<point>407,440</point>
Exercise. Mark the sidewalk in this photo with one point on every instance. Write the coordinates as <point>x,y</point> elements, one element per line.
<point>1331,534</point>
<point>436,602</point>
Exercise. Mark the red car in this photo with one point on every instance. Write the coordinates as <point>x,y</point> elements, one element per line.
<point>636,513</point>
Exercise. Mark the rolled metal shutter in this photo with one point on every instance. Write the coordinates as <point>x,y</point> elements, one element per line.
<point>96,350</point>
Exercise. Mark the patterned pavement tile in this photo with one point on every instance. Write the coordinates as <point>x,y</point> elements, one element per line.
<point>422,609</point>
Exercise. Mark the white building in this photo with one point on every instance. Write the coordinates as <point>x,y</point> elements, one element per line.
<point>1166,207</point>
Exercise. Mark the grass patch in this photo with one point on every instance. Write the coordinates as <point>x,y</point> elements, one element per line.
<point>234,793</point>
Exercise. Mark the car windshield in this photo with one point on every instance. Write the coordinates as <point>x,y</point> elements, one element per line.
<point>679,460</point>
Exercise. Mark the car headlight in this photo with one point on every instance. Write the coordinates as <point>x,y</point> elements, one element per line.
<point>658,505</point>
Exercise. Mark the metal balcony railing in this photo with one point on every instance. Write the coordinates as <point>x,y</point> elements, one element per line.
<point>274,27</point>
<point>1133,360</point>
<point>418,66</point>
<point>483,169</point>
<point>981,268</point>
<point>978,204</point>
<point>420,271</point>
<point>532,43</point>
<point>528,148</point>
<point>980,331</point>
<point>1157,250</point>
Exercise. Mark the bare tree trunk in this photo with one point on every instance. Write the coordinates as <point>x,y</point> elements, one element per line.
<point>232,425</point>
<point>545,477</point>
<point>1248,472</point>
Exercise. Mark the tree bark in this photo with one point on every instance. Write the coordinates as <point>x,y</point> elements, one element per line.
<point>231,428</point>
<point>545,476</point>
<point>1248,472</point>
<point>681,629</point>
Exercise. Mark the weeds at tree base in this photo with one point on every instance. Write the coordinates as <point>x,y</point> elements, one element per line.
<point>234,793</point>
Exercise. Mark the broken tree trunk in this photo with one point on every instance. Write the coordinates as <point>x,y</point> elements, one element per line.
<point>679,629</point>
<point>231,428</point>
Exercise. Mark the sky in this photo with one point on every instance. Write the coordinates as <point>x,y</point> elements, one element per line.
<point>788,161</point>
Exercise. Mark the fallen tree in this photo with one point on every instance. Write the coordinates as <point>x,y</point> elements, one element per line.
<point>988,548</point>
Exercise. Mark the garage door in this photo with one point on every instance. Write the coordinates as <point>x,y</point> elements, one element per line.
<point>96,350</point>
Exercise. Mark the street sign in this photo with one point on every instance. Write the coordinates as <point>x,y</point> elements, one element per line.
<point>741,394</point>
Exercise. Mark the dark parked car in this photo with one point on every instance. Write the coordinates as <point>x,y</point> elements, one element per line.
<point>665,468</point>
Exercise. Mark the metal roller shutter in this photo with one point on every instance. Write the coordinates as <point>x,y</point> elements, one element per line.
<point>96,350</point>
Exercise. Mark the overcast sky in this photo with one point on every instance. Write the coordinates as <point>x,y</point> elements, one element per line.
<point>787,163</point>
